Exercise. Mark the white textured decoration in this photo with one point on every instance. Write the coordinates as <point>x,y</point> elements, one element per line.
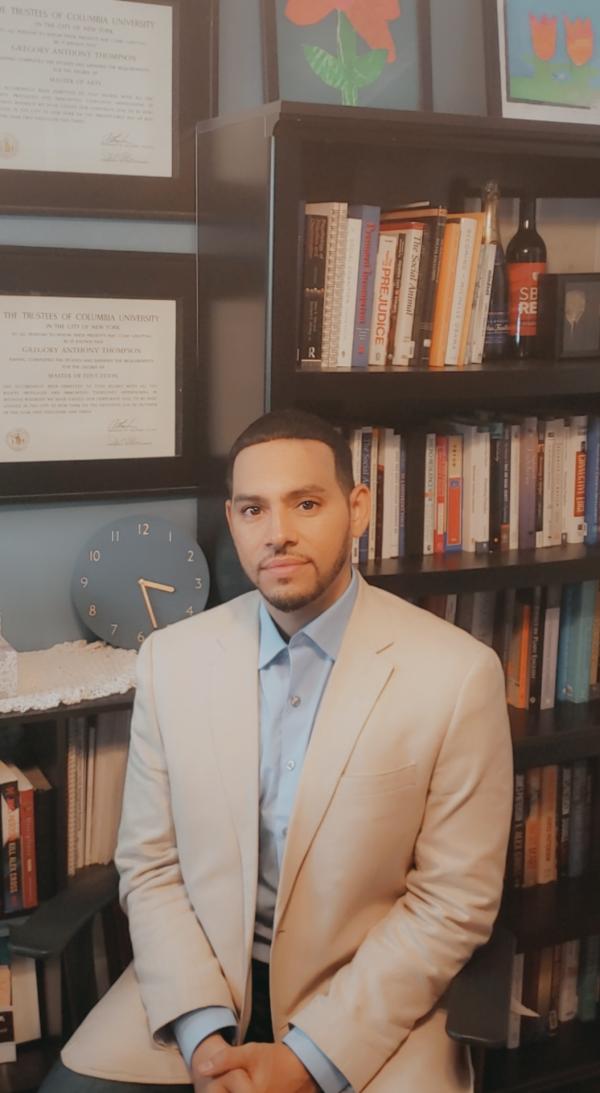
<point>8,668</point>
<point>75,671</point>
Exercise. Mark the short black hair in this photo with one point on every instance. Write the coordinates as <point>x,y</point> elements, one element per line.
<point>292,424</point>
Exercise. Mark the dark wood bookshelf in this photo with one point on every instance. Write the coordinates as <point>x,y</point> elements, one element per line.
<point>34,1060</point>
<point>255,172</point>
<point>108,704</point>
<point>572,1056</point>
<point>549,914</point>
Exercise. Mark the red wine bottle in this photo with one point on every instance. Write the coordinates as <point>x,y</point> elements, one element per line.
<point>525,261</point>
<point>496,342</point>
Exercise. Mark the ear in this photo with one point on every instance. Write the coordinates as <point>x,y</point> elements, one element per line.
<point>360,509</point>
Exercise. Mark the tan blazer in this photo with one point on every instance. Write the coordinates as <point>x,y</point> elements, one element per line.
<point>393,863</point>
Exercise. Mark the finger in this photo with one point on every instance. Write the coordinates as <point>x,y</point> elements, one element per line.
<point>224,1060</point>
<point>237,1081</point>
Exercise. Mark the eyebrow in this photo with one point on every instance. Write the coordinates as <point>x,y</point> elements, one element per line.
<point>302,491</point>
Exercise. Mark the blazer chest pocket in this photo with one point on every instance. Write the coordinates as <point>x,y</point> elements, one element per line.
<point>372,786</point>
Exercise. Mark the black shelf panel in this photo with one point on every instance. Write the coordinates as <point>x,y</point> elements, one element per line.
<point>34,1060</point>
<point>572,1056</point>
<point>569,731</point>
<point>386,395</point>
<point>549,914</point>
<point>462,572</point>
<point>108,704</point>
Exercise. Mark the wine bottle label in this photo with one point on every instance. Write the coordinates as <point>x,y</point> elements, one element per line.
<point>523,297</point>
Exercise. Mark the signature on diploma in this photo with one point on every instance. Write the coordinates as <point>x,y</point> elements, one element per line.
<point>117,136</point>
<point>123,425</point>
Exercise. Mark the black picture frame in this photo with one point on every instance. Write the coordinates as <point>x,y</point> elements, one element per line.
<point>33,271</point>
<point>275,87</point>
<point>569,316</point>
<point>195,97</point>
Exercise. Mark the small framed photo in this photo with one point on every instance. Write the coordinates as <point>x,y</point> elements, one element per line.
<point>569,315</point>
<point>543,59</point>
<point>359,54</point>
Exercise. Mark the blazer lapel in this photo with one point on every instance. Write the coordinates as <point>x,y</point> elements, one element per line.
<point>234,724</point>
<point>358,677</point>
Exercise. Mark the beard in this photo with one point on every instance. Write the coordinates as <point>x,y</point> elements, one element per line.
<point>288,601</point>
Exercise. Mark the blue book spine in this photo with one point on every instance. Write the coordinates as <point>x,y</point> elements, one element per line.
<point>573,675</point>
<point>369,240</point>
<point>592,480</point>
<point>365,477</point>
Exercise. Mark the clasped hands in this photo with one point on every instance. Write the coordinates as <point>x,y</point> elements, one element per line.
<point>251,1068</point>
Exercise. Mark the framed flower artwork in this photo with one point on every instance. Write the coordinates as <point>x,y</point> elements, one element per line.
<point>543,59</point>
<point>372,53</point>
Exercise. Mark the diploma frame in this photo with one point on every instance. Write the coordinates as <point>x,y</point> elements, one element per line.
<point>46,271</point>
<point>195,96</point>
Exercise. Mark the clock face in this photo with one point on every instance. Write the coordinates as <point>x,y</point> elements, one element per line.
<point>136,575</point>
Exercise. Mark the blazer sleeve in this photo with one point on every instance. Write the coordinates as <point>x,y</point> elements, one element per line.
<point>453,891</point>
<point>175,966</point>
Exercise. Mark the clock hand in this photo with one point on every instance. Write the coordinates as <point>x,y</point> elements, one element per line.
<point>154,584</point>
<point>142,586</point>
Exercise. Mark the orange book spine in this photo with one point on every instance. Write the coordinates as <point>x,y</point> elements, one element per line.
<point>28,856</point>
<point>441,485</point>
<point>443,299</point>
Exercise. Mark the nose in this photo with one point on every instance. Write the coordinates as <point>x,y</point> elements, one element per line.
<point>280,532</point>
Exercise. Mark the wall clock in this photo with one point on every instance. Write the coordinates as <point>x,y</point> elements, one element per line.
<point>136,575</point>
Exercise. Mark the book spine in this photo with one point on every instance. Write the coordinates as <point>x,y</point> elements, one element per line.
<point>552,622</point>
<point>348,293</point>
<point>553,505</point>
<point>475,306</point>
<point>515,470</point>
<point>10,824</point>
<point>505,452</point>
<point>533,786</point>
<point>403,349</point>
<point>332,211</point>
<point>535,663</point>
<point>336,287</point>
<point>459,297</point>
<point>441,485</point>
<point>486,295</point>
<point>527,483</point>
<point>517,854</point>
<point>28,854</point>
<point>8,1047</point>
<point>414,507</point>
<point>313,289</point>
<point>402,502</point>
<point>374,491</point>
<point>577,834</point>
<point>356,450</point>
<point>496,484</point>
<point>564,819</point>
<point>517,678</point>
<point>430,283</point>
<point>429,495</point>
<point>391,495</point>
<point>587,984</point>
<point>569,969</point>
<point>539,485</point>
<point>365,478</point>
<point>513,1035</point>
<point>382,298</point>
<point>576,473</point>
<point>547,872</point>
<point>453,541</point>
<point>592,480</point>
<point>398,271</point>
<point>369,215</point>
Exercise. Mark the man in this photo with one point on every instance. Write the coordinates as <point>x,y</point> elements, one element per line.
<point>318,789</point>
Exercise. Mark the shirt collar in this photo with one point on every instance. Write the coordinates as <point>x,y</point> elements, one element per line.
<point>326,631</point>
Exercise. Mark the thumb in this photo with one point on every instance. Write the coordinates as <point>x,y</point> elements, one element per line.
<point>225,1059</point>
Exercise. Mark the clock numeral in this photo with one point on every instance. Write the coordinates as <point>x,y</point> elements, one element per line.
<point>143,529</point>
<point>115,536</point>
<point>92,611</point>
<point>95,555</point>
<point>170,536</point>
<point>114,626</point>
<point>198,582</point>
<point>190,555</point>
<point>141,637</point>
<point>189,611</point>
<point>83,582</point>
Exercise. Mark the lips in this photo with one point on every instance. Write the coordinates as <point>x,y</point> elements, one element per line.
<point>284,563</point>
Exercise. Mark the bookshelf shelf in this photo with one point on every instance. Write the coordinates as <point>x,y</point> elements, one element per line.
<point>462,572</point>
<point>110,704</point>
<point>256,171</point>
<point>549,914</point>
<point>573,1056</point>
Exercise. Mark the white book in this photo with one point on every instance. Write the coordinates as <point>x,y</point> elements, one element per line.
<point>112,743</point>
<point>464,262</point>
<point>8,1049</point>
<point>550,648</point>
<point>25,999</point>
<point>429,488</point>
<point>513,1034</point>
<point>382,297</point>
<point>337,286</point>
<point>355,448</point>
<point>373,488</point>
<point>332,210</point>
<point>515,470</point>
<point>482,622</point>
<point>487,276</point>
<point>553,506</point>
<point>576,442</point>
<point>451,606</point>
<point>404,346</point>
<point>476,486</point>
<point>390,537</point>
<point>569,969</point>
<point>474,306</point>
<point>343,355</point>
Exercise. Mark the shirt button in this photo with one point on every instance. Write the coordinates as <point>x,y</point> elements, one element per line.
<point>295,700</point>
<point>290,764</point>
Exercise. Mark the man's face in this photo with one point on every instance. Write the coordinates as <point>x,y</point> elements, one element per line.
<point>292,524</point>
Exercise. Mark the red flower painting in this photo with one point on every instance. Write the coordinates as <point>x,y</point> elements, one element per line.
<point>370,18</point>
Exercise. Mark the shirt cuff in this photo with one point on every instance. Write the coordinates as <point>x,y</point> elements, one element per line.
<point>327,1076</point>
<point>192,1028</point>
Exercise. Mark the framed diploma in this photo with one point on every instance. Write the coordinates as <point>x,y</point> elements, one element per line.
<point>98,104</point>
<point>99,388</point>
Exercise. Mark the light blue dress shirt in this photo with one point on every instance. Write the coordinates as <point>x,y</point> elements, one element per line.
<point>293,676</point>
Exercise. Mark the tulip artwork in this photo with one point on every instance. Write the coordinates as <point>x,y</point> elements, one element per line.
<point>357,52</point>
<point>550,51</point>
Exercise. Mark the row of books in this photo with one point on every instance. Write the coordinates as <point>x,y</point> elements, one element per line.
<point>19,1002</point>
<point>96,760</point>
<point>552,986</point>
<point>555,809</point>
<point>406,286</point>
<point>28,827</point>
<point>547,637</point>
<point>479,484</point>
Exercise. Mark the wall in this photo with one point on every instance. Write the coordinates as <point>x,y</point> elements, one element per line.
<point>39,542</point>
